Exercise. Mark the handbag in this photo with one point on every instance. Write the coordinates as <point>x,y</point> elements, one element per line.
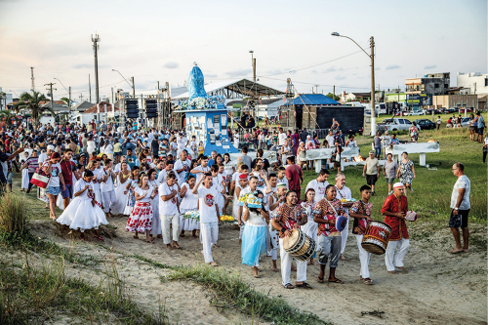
<point>39,179</point>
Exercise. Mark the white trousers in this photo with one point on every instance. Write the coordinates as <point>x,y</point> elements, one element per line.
<point>108,199</point>
<point>209,234</point>
<point>272,242</point>
<point>364,258</point>
<point>286,260</point>
<point>391,261</point>
<point>344,234</point>
<point>165,227</point>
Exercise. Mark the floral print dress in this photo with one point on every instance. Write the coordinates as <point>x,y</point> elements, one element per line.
<point>406,173</point>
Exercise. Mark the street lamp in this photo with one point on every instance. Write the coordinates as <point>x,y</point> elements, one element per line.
<point>371,56</point>
<point>253,64</point>
<point>69,97</point>
<point>132,85</point>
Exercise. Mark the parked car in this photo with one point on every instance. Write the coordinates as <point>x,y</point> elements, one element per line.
<point>465,122</point>
<point>402,113</point>
<point>451,110</point>
<point>418,112</point>
<point>469,109</point>
<point>425,124</point>
<point>394,124</point>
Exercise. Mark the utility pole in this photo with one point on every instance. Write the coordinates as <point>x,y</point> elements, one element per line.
<point>95,39</point>
<point>112,98</point>
<point>253,63</point>
<point>69,101</point>
<point>134,88</point>
<point>81,97</point>
<point>89,87</point>
<point>373,108</point>
<point>32,79</point>
<point>334,91</point>
<point>51,93</point>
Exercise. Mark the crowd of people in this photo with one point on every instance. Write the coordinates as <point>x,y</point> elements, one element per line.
<point>155,177</point>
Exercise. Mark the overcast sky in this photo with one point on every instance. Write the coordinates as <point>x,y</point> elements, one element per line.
<point>159,41</point>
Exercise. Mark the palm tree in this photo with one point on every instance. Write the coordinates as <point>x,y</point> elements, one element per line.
<point>32,103</point>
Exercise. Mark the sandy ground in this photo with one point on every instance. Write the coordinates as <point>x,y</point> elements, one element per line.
<point>440,288</point>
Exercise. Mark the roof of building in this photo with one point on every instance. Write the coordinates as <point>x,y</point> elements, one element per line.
<point>94,108</point>
<point>57,105</point>
<point>313,99</point>
<point>83,106</point>
<point>266,101</point>
<point>244,87</point>
<point>59,102</point>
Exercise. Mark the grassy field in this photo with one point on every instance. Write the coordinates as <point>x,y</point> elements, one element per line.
<point>432,188</point>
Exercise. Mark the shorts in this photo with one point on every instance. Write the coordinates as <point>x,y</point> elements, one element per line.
<point>390,180</point>
<point>68,192</point>
<point>53,190</point>
<point>371,179</point>
<point>459,220</point>
<point>473,128</point>
<point>377,151</point>
<point>480,131</point>
<point>117,154</point>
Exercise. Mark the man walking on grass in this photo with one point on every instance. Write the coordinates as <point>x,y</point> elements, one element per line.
<point>460,206</point>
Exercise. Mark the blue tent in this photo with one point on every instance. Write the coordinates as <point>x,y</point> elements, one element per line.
<point>313,100</point>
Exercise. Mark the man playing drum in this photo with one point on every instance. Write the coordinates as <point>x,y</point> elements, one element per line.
<point>287,218</point>
<point>395,209</point>
<point>361,212</point>
<point>330,240</point>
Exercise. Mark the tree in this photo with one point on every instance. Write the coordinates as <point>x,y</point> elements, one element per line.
<point>32,102</point>
<point>334,97</point>
<point>8,116</point>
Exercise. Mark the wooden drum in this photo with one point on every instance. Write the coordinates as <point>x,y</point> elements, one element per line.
<point>299,245</point>
<point>376,236</point>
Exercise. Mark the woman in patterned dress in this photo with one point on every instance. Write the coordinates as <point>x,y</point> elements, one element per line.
<point>406,172</point>
<point>129,188</point>
<point>140,220</point>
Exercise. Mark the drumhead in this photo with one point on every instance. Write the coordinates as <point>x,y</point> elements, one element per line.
<point>379,222</point>
<point>291,241</point>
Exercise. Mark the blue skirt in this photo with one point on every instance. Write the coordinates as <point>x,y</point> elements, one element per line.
<point>253,244</point>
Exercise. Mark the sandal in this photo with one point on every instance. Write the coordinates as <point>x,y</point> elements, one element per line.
<point>289,286</point>
<point>304,285</point>
<point>336,281</point>
<point>320,280</point>
<point>135,237</point>
<point>149,241</point>
<point>368,281</point>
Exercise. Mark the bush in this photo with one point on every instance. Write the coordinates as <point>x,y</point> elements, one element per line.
<point>12,214</point>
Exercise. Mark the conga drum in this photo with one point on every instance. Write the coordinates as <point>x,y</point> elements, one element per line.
<point>376,236</point>
<point>299,245</point>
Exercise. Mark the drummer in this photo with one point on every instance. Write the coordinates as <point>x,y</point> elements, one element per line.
<point>361,212</point>
<point>395,209</point>
<point>287,218</point>
<point>330,239</point>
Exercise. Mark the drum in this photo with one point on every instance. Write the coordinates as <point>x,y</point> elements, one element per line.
<point>299,245</point>
<point>376,236</point>
<point>341,223</point>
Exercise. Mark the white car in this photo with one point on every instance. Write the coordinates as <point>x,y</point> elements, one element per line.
<point>419,112</point>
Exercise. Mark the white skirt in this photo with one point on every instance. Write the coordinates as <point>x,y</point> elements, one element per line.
<point>120,199</point>
<point>156,221</point>
<point>81,214</point>
<point>25,178</point>
<point>188,224</point>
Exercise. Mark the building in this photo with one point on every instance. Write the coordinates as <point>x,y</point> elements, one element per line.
<point>473,83</point>
<point>263,107</point>
<point>5,99</point>
<point>429,84</point>
<point>80,108</point>
<point>356,97</point>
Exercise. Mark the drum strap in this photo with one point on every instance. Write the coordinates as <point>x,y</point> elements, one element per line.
<point>335,212</point>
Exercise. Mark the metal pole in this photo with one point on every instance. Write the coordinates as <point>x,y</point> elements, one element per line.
<point>95,40</point>
<point>134,89</point>
<point>373,108</point>
<point>89,87</point>
<point>69,103</point>
<point>254,70</point>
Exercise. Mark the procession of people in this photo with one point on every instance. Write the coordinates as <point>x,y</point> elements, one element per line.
<point>167,188</point>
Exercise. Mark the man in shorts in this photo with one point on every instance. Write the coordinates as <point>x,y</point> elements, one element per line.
<point>460,206</point>
<point>371,170</point>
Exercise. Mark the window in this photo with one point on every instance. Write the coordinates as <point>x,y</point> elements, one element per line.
<point>400,120</point>
<point>486,82</point>
<point>436,86</point>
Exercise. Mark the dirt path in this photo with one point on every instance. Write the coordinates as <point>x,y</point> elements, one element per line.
<point>439,289</point>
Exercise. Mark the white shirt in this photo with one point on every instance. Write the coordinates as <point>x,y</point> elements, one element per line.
<point>203,169</point>
<point>462,182</point>
<point>179,165</point>
<point>168,208</point>
<point>42,158</point>
<point>319,189</point>
<point>345,193</point>
<point>182,142</point>
<point>55,171</point>
<point>281,139</point>
<point>117,168</point>
<point>140,192</point>
<point>283,181</point>
<point>80,185</point>
<point>162,176</point>
<point>330,141</point>
<point>108,150</point>
<point>108,185</point>
<point>207,199</point>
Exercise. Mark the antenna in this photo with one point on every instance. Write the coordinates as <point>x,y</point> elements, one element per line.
<point>32,79</point>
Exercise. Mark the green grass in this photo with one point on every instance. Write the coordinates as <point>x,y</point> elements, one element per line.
<point>432,188</point>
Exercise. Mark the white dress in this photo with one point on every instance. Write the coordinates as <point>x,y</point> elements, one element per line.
<point>81,213</point>
<point>25,178</point>
<point>188,203</point>
<point>131,201</point>
<point>156,221</point>
<point>120,197</point>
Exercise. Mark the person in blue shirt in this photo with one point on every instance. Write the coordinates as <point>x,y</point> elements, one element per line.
<point>481,126</point>
<point>132,160</point>
<point>212,160</point>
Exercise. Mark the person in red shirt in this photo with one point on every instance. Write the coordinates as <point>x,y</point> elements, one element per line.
<point>67,169</point>
<point>395,209</point>
<point>294,175</point>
